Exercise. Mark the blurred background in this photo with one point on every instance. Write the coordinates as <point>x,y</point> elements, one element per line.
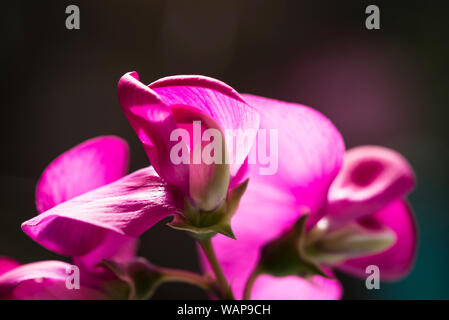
<point>388,87</point>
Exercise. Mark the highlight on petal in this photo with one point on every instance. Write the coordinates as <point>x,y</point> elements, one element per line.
<point>128,206</point>
<point>153,123</point>
<point>87,166</point>
<point>7,264</point>
<point>371,178</point>
<point>310,151</point>
<point>43,280</point>
<point>397,261</point>
<point>218,101</point>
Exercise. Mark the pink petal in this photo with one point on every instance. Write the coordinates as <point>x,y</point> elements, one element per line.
<point>153,123</point>
<point>396,262</point>
<point>268,287</point>
<point>310,151</point>
<point>128,206</point>
<point>115,246</point>
<point>7,264</point>
<point>87,166</point>
<point>371,178</point>
<point>217,100</point>
<point>43,280</point>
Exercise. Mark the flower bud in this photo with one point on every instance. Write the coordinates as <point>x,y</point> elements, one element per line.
<point>350,241</point>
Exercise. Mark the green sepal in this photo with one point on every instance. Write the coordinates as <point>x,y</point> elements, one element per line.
<point>204,224</point>
<point>286,255</point>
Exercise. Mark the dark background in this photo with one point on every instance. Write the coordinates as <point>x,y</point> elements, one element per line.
<point>386,87</point>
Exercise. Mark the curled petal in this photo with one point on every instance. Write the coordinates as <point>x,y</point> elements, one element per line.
<point>397,261</point>
<point>128,206</point>
<point>371,178</point>
<point>87,166</point>
<point>218,101</point>
<point>43,280</point>
<point>153,123</point>
<point>309,151</point>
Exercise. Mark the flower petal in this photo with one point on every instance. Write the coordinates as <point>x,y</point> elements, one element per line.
<point>268,287</point>
<point>43,280</point>
<point>397,261</point>
<point>220,102</point>
<point>371,178</point>
<point>310,151</point>
<point>153,123</point>
<point>87,166</point>
<point>128,206</point>
<point>7,264</point>
<point>115,246</point>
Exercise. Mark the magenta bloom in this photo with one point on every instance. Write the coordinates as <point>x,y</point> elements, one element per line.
<point>129,206</point>
<point>90,165</point>
<point>365,191</point>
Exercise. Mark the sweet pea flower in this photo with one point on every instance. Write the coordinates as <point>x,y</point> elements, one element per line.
<point>158,110</point>
<point>90,165</point>
<point>190,190</point>
<point>351,204</point>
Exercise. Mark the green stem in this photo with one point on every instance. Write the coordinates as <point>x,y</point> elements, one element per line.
<point>175,275</point>
<point>206,245</point>
<point>250,283</point>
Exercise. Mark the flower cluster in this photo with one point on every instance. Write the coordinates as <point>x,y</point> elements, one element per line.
<point>275,236</point>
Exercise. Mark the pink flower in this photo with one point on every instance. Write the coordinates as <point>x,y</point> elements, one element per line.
<point>129,206</point>
<point>157,110</point>
<point>366,193</point>
<point>88,166</point>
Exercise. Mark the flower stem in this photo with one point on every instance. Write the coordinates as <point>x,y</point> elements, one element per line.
<point>250,283</point>
<point>175,275</point>
<point>206,245</point>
